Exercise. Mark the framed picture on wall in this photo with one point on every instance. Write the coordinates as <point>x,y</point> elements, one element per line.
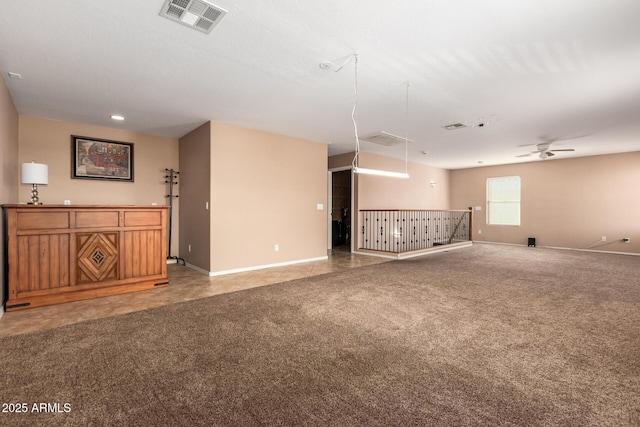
<point>93,158</point>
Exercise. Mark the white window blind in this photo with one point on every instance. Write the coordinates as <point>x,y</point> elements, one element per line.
<point>503,200</point>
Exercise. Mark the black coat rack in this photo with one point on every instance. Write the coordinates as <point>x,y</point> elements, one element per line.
<point>172,180</point>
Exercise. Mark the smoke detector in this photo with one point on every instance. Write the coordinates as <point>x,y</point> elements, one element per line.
<point>197,14</point>
<point>384,138</point>
<point>454,126</point>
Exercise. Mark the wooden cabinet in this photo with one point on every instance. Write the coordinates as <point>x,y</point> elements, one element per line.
<point>60,253</point>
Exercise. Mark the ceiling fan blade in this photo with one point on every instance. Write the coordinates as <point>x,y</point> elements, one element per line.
<point>584,135</point>
<point>549,153</point>
<point>564,149</point>
<point>525,155</point>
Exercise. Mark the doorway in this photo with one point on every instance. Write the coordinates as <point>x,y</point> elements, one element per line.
<point>341,205</point>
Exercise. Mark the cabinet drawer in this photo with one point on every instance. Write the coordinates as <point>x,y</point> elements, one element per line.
<point>96,219</point>
<point>142,218</point>
<point>42,220</point>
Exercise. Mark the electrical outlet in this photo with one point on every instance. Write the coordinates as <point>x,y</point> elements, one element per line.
<point>604,238</point>
<point>277,247</point>
<point>189,248</point>
<point>479,231</point>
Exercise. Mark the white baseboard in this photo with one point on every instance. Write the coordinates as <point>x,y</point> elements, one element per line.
<point>413,254</point>
<point>261,267</point>
<point>198,269</point>
<point>255,267</point>
<point>561,248</point>
<point>590,250</point>
<point>435,250</point>
<point>386,255</point>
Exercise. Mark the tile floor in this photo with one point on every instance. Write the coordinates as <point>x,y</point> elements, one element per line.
<point>185,284</point>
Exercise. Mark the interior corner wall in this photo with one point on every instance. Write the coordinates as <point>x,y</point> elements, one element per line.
<point>49,141</point>
<point>265,191</point>
<point>194,191</point>
<point>567,203</point>
<point>8,168</point>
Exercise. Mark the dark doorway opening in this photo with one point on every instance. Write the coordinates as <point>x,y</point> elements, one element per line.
<point>341,210</point>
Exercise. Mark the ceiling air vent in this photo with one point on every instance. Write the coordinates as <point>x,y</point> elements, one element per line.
<point>384,138</point>
<point>454,126</point>
<point>197,14</point>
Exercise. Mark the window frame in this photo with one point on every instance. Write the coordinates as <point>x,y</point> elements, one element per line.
<point>505,201</point>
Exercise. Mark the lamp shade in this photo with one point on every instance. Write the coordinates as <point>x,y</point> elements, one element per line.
<point>34,173</point>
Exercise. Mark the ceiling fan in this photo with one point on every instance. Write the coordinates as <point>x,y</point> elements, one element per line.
<point>543,149</point>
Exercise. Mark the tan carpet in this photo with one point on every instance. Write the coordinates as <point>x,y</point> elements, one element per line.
<point>488,335</point>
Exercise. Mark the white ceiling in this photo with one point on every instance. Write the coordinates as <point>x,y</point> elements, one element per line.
<point>529,69</point>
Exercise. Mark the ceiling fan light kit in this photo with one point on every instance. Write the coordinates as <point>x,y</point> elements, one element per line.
<point>543,150</point>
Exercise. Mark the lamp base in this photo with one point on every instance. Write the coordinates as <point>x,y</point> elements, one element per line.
<point>34,196</point>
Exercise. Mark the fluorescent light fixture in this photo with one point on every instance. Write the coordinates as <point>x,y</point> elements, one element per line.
<point>116,117</point>
<point>380,172</point>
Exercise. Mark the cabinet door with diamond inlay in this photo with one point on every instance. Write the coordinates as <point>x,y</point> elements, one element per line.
<point>97,258</point>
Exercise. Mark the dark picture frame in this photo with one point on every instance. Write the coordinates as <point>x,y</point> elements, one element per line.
<point>102,159</point>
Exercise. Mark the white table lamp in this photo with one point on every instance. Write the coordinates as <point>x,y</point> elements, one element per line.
<point>34,173</point>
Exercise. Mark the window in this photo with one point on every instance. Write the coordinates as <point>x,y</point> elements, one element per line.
<point>503,200</point>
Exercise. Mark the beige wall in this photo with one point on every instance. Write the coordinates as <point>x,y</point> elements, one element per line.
<point>264,191</point>
<point>195,190</point>
<point>8,165</point>
<point>49,142</point>
<point>379,192</point>
<point>569,203</point>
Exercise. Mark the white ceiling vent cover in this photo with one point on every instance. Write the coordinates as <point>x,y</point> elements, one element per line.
<point>384,138</point>
<point>197,14</point>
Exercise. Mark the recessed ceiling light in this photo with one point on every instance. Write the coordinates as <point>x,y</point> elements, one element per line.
<point>116,117</point>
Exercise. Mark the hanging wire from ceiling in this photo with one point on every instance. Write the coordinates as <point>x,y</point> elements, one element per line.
<point>354,163</point>
<point>406,132</point>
